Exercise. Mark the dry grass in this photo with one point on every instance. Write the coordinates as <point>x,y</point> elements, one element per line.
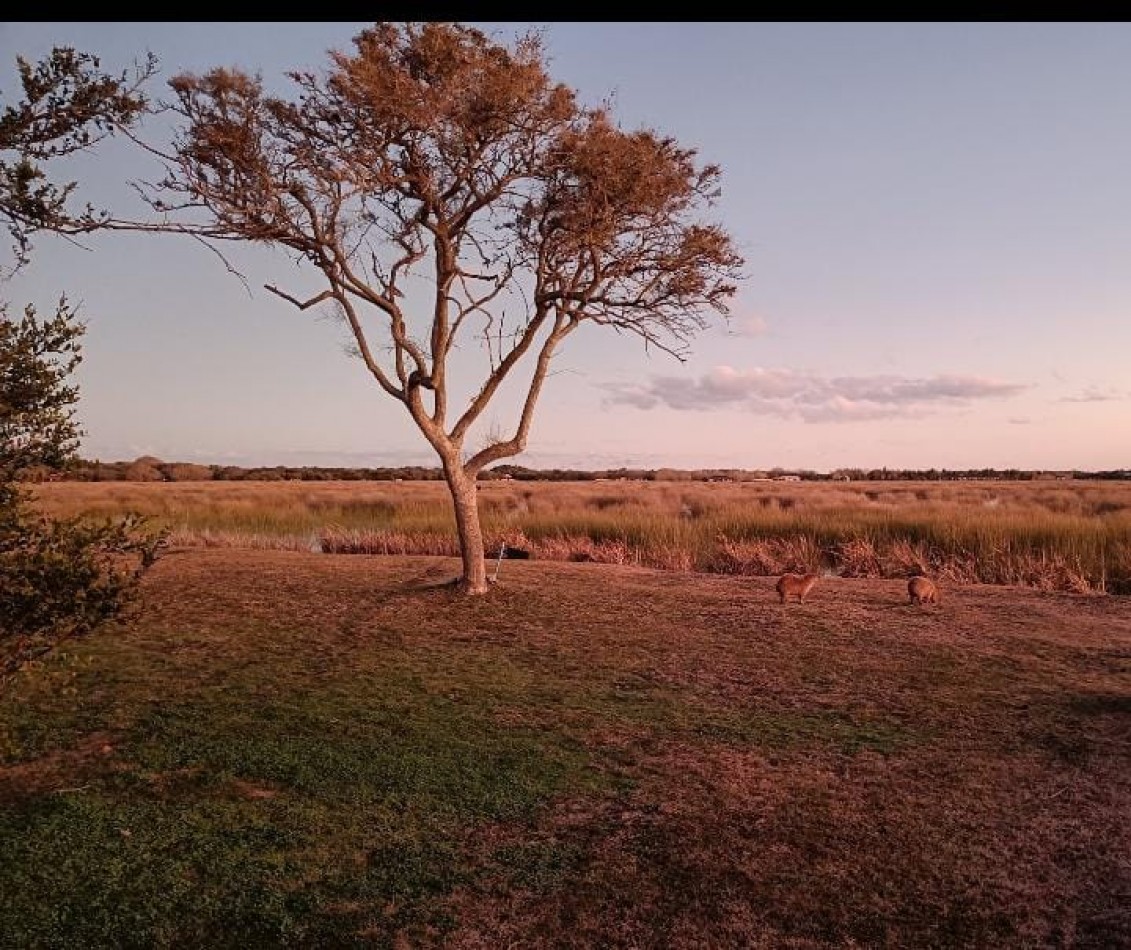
<point>290,748</point>
<point>1070,536</point>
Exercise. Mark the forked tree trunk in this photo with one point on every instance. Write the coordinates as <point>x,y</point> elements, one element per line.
<point>466,502</point>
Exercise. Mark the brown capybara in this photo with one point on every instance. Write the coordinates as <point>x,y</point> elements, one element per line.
<point>922,590</point>
<point>797,584</point>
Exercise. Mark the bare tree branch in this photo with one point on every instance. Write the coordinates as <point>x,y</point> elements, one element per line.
<point>302,304</point>
<point>435,178</point>
<point>517,442</point>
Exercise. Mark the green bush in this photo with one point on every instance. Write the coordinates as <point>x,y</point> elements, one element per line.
<point>58,578</point>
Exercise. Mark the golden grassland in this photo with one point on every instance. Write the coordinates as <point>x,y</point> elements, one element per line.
<point>1051,535</point>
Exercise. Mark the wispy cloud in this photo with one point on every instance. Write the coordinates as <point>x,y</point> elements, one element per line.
<point>1094,394</point>
<point>1020,421</point>
<point>812,398</point>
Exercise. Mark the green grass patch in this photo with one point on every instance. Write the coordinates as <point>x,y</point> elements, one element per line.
<point>355,822</point>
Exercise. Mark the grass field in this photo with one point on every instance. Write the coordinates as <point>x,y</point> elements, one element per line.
<point>1051,535</point>
<point>286,748</point>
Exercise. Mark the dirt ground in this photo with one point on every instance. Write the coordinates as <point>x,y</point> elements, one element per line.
<point>709,767</point>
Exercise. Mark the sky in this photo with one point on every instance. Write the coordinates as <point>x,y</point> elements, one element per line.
<point>935,219</point>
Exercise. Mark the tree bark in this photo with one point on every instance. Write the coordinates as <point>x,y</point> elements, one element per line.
<point>466,503</point>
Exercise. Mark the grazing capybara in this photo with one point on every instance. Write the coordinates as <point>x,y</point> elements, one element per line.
<point>922,590</point>
<point>796,584</point>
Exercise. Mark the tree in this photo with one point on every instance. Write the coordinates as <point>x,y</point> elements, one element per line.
<point>69,105</point>
<point>58,578</point>
<point>441,184</point>
<point>37,357</point>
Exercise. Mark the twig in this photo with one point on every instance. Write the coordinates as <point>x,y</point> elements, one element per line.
<point>1060,791</point>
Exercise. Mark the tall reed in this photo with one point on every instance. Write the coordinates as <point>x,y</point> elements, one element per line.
<point>1051,535</point>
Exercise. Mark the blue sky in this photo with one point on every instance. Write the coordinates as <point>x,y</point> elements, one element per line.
<point>936,220</point>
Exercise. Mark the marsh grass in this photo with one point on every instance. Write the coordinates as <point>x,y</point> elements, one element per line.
<point>1073,536</point>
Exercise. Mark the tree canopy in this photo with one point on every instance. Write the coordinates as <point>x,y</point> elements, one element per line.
<point>448,192</point>
<point>58,578</point>
<point>37,357</point>
<point>69,104</point>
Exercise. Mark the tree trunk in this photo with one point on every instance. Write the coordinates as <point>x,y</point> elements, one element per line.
<point>465,500</point>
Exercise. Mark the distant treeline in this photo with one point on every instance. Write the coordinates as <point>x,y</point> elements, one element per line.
<point>150,469</point>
